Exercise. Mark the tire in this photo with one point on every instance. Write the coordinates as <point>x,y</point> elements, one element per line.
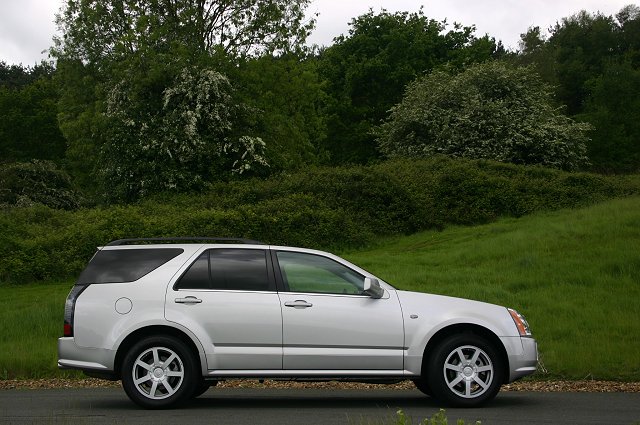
<point>423,386</point>
<point>202,388</point>
<point>465,370</point>
<point>159,372</point>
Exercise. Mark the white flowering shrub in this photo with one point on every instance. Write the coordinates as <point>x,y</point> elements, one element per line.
<point>174,139</point>
<point>490,111</point>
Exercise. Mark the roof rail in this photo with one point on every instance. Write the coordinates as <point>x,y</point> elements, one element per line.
<point>120,242</point>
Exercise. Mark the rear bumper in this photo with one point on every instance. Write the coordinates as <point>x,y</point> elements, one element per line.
<point>71,356</point>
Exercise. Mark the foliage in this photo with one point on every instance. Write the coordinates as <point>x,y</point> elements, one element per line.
<point>367,70</point>
<point>613,108</point>
<point>584,55</point>
<point>18,76</point>
<point>81,122</point>
<point>288,93</point>
<point>36,182</point>
<point>101,32</point>
<point>28,128</point>
<point>489,111</point>
<point>174,141</point>
<point>333,208</point>
<point>145,100</point>
<point>581,44</point>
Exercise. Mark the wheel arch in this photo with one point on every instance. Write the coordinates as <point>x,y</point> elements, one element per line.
<point>469,328</point>
<point>154,330</point>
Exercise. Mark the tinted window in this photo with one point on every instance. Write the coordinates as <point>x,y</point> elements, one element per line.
<point>197,276</point>
<point>239,269</point>
<point>228,268</point>
<point>313,273</point>
<point>125,265</point>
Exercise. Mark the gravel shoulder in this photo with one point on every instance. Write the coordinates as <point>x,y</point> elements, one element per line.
<point>526,385</point>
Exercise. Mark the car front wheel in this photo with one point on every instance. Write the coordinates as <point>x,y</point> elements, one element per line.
<point>159,372</point>
<point>465,370</point>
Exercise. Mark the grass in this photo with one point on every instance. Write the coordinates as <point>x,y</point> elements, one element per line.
<point>575,274</point>
<point>31,321</point>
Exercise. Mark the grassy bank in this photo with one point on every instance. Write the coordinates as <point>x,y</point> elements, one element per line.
<point>575,274</point>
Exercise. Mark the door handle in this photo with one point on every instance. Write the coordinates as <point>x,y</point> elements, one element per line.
<point>188,300</point>
<point>298,304</point>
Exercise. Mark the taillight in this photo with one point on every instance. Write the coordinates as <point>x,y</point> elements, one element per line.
<point>70,307</point>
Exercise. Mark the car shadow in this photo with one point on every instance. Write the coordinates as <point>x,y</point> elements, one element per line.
<point>248,399</point>
<point>335,399</point>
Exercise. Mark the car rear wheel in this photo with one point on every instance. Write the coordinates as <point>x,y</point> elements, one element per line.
<point>159,372</point>
<point>465,370</point>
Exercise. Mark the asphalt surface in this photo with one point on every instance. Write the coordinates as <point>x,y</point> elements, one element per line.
<point>312,406</point>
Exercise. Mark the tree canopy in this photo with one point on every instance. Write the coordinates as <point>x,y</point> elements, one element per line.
<point>146,103</point>
<point>488,111</point>
<point>367,70</point>
<point>29,126</point>
<point>583,54</point>
<point>96,31</point>
<point>149,96</point>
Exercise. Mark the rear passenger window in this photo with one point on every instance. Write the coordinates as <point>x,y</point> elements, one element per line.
<point>228,268</point>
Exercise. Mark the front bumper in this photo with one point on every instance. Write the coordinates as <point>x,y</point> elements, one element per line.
<point>71,356</point>
<point>523,357</point>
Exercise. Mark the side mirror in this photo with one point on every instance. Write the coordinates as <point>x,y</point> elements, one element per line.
<point>372,288</point>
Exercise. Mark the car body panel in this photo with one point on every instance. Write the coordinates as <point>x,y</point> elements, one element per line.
<point>241,330</point>
<point>352,332</point>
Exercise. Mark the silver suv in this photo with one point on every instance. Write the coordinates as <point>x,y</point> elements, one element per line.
<point>172,317</point>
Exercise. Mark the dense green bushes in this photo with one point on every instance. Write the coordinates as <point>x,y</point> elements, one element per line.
<point>36,182</point>
<point>332,208</point>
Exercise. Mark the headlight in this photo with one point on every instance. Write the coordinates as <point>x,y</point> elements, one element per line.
<point>521,322</point>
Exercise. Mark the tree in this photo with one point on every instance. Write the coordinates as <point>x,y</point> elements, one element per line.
<point>367,70</point>
<point>96,31</point>
<point>613,108</point>
<point>581,44</point>
<point>593,61</point>
<point>489,111</point>
<point>29,127</point>
<point>289,94</point>
<point>175,141</point>
<point>24,184</point>
<point>124,104</point>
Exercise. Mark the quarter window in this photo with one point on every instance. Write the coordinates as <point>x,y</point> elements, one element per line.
<point>125,265</point>
<point>197,276</point>
<point>303,272</point>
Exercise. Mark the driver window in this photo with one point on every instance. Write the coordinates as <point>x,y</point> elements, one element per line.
<point>313,273</point>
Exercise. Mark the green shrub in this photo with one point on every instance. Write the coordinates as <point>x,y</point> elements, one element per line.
<point>36,182</point>
<point>326,208</point>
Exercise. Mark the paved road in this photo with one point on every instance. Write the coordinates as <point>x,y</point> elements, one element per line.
<point>311,406</point>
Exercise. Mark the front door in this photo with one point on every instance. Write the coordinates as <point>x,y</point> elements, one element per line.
<point>328,324</point>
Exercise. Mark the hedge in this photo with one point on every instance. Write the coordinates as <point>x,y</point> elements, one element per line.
<point>325,208</point>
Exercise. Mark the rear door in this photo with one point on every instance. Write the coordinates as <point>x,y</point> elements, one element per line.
<point>228,294</point>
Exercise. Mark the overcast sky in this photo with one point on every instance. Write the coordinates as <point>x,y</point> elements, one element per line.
<point>27,26</point>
